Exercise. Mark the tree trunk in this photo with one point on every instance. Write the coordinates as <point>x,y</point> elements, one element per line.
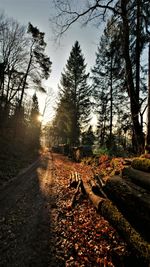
<point>72,202</point>
<point>134,99</point>
<point>111,100</point>
<point>142,164</point>
<point>132,200</point>
<point>138,177</point>
<point>24,82</point>
<point>148,110</point>
<point>110,212</point>
<point>138,50</point>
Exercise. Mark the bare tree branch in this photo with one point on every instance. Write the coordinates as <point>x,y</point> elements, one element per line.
<point>69,12</point>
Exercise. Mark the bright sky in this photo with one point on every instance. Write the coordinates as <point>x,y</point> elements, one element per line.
<point>38,13</point>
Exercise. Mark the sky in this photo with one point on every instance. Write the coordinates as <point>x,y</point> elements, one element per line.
<point>38,13</point>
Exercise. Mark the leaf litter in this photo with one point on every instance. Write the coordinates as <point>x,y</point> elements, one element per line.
<point>84,237</point>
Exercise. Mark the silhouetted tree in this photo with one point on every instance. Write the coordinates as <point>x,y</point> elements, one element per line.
<point>37,60</point>
<point>35,123</point>
<point>108,77</point>
<point>73,111</point>
<point>69,12</point>
<point>88,137</point>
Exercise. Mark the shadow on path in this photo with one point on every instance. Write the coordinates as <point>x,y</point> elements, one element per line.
<point>26,226</point>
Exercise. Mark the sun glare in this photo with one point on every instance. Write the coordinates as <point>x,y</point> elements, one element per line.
<point>39,118</point>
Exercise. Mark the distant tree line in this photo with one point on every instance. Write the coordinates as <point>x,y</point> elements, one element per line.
<point>23,66</point>
<point>118,89</point>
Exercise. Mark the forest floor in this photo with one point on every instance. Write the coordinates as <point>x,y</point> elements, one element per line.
<point>38,227</point>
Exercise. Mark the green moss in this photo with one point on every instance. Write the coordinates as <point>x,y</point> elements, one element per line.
<point>133,238</point>
<point>141,164</point>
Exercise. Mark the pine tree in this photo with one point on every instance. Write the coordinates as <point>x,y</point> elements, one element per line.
<point>35,123</point>
<point>88,137</point>
<point>39,64</point>
<point>134,17</point>
<point>108,81</point>
<point>74,97</point>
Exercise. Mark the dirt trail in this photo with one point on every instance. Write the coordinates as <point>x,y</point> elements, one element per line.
<point>25,217</point>
<point>38,228</point>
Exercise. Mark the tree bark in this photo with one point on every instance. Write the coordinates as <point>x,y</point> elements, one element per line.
<point>76,193</point>
<point>148,110</point>
<point>110,212</point>
<point>138,49</point>
<point>111,100</point>
<point>24,81</point>
<point>138,177</point>
<point>96,200</point>
<point>134,99</point>
<point>133,201</point>
<point>142,164</point>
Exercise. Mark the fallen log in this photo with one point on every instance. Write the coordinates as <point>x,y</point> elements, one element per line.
<point>136,176</point>
<point>132,200</point>
<point>97,184</point>
<point>142,164</point>
<point>100,183</point>
<point>109,211</point>
<point>75,194</point>
<point>74,179</point>
<point>127,161</point>
<point>95,187</point>
<point>146,156</point>
<point>99,180</point>
<point>96,200</point>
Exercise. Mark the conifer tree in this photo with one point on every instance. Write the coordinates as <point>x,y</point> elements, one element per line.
<point>135,19</point>
<point>34,122</point>
<point>108,82</point>
<point>74,96</point>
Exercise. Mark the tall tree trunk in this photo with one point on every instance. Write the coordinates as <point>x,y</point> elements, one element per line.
<point>138,50</point>
<point>24,82</point>
<point>111,100</point>
<point>148,110</point>
<point>2,77</point>
<point>134,99</point>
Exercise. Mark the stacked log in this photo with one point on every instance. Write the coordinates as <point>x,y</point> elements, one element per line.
<point>138,245</point>
<point>133,201</point>
<point>97,185</point>
<point>142,164</point>
<point>124,200</point>
<point>131,193</point>
<point>117,187</point>
<point>136,176</point>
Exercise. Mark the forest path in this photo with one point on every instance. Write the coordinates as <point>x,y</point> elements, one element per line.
<point>38,227</point>
<point>25,217</point>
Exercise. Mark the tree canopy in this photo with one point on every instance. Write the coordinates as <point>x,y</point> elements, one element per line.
<point>132,18</point>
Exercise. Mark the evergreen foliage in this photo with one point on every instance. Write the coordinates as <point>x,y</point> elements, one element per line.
<point>35,123</point>
<point>73,112</point>
<point>88,137</point>
<point>109,84</point>
<point>133,20</point>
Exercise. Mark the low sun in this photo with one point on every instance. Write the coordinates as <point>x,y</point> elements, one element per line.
<point>39,118</point>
